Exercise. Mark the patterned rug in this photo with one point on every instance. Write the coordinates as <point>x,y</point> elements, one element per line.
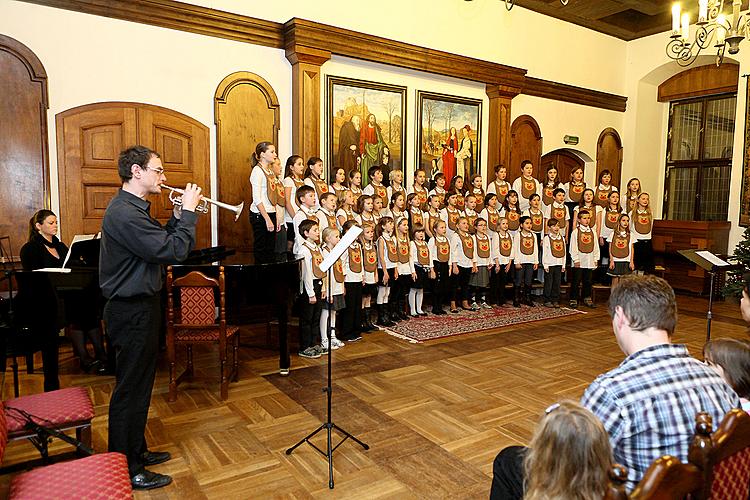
<point>435,327</point>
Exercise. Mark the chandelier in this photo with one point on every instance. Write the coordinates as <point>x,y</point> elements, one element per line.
<point>713,29</point>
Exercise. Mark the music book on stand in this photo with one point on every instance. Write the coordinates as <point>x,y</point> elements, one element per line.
<point>84,250</point>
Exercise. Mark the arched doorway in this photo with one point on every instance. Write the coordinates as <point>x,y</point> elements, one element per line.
<point>565,160</point>
<point>609,155</point>
<point>525,144</point>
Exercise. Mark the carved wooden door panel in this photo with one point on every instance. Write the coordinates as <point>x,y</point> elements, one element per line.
<point>89,141</point>
<point>525,144</point>
<point>24,168</point>
<point>609,155</point>
<point>564,161</point>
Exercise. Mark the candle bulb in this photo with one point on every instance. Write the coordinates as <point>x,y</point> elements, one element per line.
<point>685,27</point>
<point>702,10</point>
<point>675,18</point>
<point>721,30</point>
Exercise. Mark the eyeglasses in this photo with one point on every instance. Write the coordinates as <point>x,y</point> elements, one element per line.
<point>157,170</point>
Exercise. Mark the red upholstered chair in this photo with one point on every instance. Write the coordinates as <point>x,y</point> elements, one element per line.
<point>63,409</point>
<point>195,322</point>
<point>724,456</point>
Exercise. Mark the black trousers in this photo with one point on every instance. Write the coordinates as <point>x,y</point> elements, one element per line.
<point>351,316</point>
<point>440,284</point>
<point>49,345</point>
<point>309,317</point>
<point>552,284</point>
<point>643,256</point>
<point>133,328</point>
<point>525,275</point>
<point>508,474</point>
<point>264,241</point>
<point>581,274</point>
<point>498,280</point>
<point>461,281</point>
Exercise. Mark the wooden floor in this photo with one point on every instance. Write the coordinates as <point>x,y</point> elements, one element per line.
<point>434,414</point>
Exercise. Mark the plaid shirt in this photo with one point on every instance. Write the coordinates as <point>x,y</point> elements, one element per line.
<point>648,405</point>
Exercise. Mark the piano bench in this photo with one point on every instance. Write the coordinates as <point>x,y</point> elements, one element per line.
<point>64,409</point>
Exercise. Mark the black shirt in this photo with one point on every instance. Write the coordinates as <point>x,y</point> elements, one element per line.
<point>34,254</point>
<point>134,246</point>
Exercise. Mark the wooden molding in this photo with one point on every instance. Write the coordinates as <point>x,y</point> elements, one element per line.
<point>37,73</point>
<point>306,62</point>
<point>500,97</point>
<point>577,95</point>
<point>700,81</point>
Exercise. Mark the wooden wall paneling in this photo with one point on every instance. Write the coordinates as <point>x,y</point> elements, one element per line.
<point>24,168</point>
<point>570,93</point>
<point>306,63</point>
<point>609,155</point>
<point>246,112</point>
<point>699,81</point>
<point>525,144</point>
<point>500,97</point>
<point>89,141</point>
<point>564,161</point>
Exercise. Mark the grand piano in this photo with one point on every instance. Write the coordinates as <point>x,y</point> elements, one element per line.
<point>252,287</point>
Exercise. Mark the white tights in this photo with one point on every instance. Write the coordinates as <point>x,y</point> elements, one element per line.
<point>416,297</point>
<point>383,293</point>
<point>324,326</point>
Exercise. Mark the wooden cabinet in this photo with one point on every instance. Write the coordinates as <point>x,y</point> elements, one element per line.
<point>669,236</point>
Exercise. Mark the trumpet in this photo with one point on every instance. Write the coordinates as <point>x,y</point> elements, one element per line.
<point>203,205</point>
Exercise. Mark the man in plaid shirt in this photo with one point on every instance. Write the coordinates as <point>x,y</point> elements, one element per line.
<point>648,403</point>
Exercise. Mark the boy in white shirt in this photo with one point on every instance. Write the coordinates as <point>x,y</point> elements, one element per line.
<point>306,201</point>
<point>526,258</point>
<point>553,261</point>
<point>584,256</point>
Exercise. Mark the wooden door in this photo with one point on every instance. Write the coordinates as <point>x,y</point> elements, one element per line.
<point>525,144</point>
<point>609,155</point>
<point>24,168</point>
<point>564,161</point>
<point>89,141</point>
<point>246,112</point>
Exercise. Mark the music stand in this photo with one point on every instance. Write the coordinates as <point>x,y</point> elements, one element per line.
<point>711,264</point>
<point>327,267</point>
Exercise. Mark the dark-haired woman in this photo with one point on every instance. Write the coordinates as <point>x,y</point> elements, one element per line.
<point>264,218</point>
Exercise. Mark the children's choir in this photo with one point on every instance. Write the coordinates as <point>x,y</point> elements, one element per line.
<point>462,246</point>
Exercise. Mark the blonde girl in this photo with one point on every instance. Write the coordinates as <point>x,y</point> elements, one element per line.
<point>387,267</point>
<point>620,250</point>
<point>346,207</point>
<point>641,224</point>
<point>396,183</point>
<point>335,298</point>
<point>432,215</point>
<point>440,251</point>
<point>630,197</point>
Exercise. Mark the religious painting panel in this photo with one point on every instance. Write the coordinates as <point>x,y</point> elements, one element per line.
<point>448,135</point>
<point>366,125</point>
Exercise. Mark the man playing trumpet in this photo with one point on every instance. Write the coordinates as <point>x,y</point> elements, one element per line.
<point>134,247</point>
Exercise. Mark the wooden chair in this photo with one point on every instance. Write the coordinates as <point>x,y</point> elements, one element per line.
<point>667,478</point>
<point>724,456</point>
<point>195,322</point>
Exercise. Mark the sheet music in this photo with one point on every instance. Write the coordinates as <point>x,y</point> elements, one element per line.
<point>713,259</point>
<point>341,247</point>
<point>76,239</point>
<point>52,270</point>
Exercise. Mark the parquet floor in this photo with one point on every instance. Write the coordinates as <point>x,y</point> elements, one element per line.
<point>434,414</point>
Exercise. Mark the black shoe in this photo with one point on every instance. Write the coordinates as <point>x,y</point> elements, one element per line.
<point>147,480</point>
<point>155,457</point>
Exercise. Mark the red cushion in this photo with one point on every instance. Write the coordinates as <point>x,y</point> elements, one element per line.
<point>197,305</point>
<point>732,477</point>
<point>102,476</point>
<point>3,431</point>
<point>56,408</point>
<point>202,334</point>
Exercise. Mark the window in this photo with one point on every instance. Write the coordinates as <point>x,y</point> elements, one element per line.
<point>699,158</point>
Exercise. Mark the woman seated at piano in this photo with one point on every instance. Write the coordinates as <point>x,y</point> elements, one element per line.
<point>45,250</point>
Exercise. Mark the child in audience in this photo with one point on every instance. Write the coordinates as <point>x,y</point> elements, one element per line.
<point>731,358</point>
<point>346,207</point>
<point>387,272</point>
<point>584,255</point>
<point>405,271</point>
<point>553,260</point>
<point>512,212</point>
<point>313,292</point>
<point>355,185</point>
<point>419,188</point>
<point>366,210</point>
<point>463,261</point>
<point>569,457</point>
<point>551,182</point>
<point>604,188</point>
<point>620,249</point>
<point>314,179</point>
<point>440,252</point>
<point>526,185</point>
<point>470,205</point>
<point>335,297</point>
<point>526,260</point>
<point>376,187</point>
<point>422,261</point>
<point>504,248</point>
<point>486,259</point>
<point>432,215</point>
<point>457,186</point>
<point>630,198</point>
<point>306,201</point>
<point>370,274</point>
<point>641,224</point>
<point>351,316</point>
<point>450,214</point>
<point>395,183</point>
<point>477,190</point>
<point>327,212</point>
<point>415,215</point>
<point>500,186</point>
<point>439,189</point>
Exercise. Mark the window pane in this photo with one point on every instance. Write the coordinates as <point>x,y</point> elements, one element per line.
<point>683,183</point>
<point>686,125</point>
<point>719,134</point>
<point>715,193</point>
